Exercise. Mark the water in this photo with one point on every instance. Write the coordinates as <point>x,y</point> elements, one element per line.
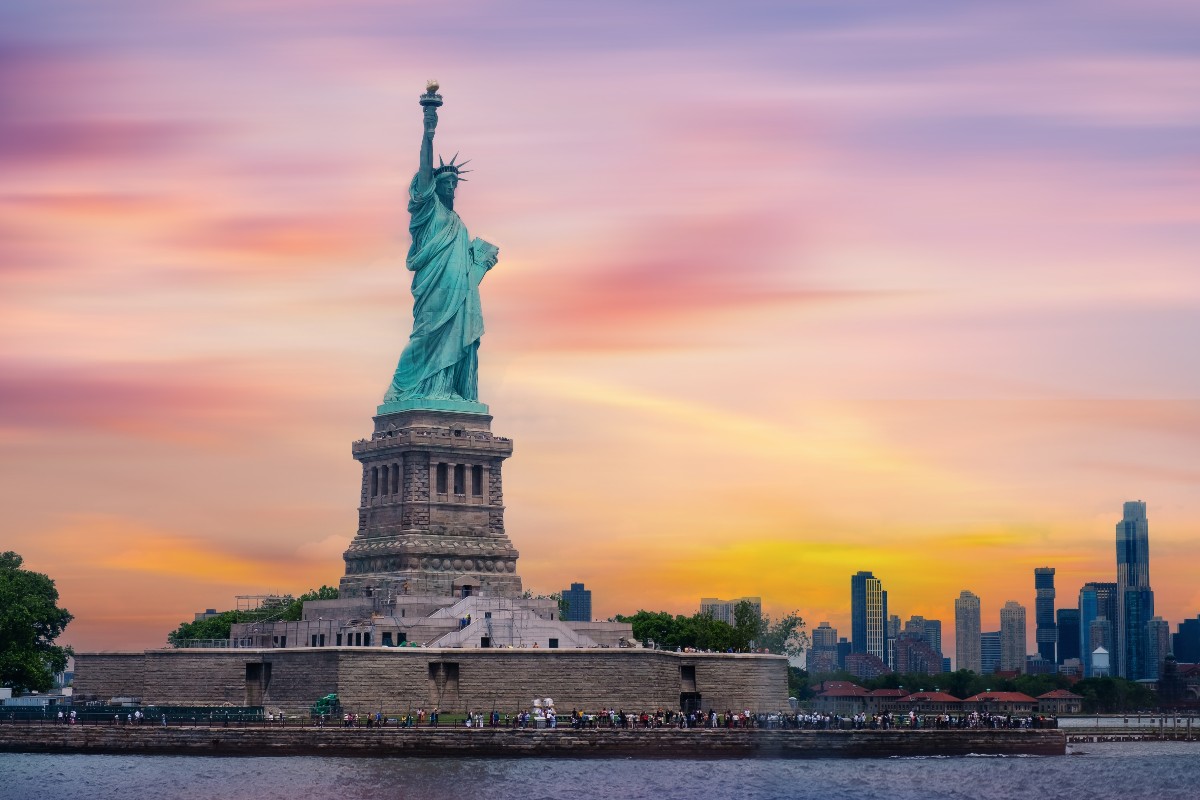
<point>1129,771</point>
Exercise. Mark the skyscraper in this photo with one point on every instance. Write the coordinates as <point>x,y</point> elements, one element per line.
<point>1158,638</point>
<point>1100,634</point>
<point>1135,600</point>
<point>824,654</point>
<point>933,633</point>
<point>723,610</point>
<point>966,632</point>
<point>892,628</point>
<point>1046,633</point>
<point>579,603</point>
<point>1012,637</point>
<point>1068,634</point>
<point>1095,600</point>
<point>867,613</point>
<point>989,652</point>
<point>1186,642</point>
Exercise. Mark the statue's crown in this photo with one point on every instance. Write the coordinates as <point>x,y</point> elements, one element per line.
<point>457,169</point>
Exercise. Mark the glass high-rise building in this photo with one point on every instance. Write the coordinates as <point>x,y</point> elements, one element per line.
<point>1046,632</point>
<point>1158,637</point>
<point>1096,600</point>
<point>933,633</point>
<point>579,603</point>
<point>868,610</point>
<point>1185,642</point>
<point>1135,602</point>
<point>1012,637</point>
<point>823,657</point>
<point>725,610</point>
<point>1068,634</point>
<point>989,652</point>
<point>966,632</point>
<point>892,629</point>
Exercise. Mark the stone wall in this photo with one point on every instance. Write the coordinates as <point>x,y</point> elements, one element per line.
<point>108,675</point>
<point>508,743</point>
<point>402,679</point>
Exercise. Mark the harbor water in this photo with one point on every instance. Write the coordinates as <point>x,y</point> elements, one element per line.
<point>1161,770</point>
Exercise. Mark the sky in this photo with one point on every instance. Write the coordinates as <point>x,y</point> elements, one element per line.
<point>786,290</point>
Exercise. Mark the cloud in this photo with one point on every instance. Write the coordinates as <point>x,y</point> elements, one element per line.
<point>37,144</point>
<point>196,403</point>
<point>284,239</point>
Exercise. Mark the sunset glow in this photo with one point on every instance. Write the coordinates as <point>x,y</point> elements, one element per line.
<point>785,291</point>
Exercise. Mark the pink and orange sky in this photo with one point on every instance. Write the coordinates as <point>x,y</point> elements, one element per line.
<point>787,290</point>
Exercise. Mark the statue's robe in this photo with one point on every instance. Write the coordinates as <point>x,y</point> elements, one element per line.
<point>440,361</point>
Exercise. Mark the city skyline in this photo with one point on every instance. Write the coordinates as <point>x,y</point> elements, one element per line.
<point>784,292</point>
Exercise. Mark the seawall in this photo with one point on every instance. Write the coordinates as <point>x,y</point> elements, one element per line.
<point>510,743</point>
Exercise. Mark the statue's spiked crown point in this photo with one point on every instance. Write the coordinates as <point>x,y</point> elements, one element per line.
<point>457,169</point>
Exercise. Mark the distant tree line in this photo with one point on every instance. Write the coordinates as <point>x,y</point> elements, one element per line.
<point>749,631</point>
<point>218,626</point>
<point>1100,695</point>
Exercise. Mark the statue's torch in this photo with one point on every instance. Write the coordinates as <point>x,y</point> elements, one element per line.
<point>431,99</point>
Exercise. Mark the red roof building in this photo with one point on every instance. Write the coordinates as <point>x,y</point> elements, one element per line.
<point>1060,701</point>
<point>932,703</point>
<point>1000,703</point>
<point>881,700</point>
<point>841,698</point>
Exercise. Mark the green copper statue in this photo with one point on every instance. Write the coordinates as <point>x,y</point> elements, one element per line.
<point>439,368</point>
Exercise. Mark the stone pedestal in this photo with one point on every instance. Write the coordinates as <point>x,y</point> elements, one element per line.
<point>431,516</point>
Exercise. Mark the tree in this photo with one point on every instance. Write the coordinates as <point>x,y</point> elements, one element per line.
<point>30,621</point>
<point>214,627</point>
<point>749,623</point>
<point>700,631</point>
<point>295,608</point>
<point>656,626</point>
<point>218,626</point>
<point>785,637</point>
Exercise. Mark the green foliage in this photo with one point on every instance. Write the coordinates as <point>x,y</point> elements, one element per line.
<point>1113,695</point>
<point>798,684</point>
<point>295,609</point>
<point>749,624</point>
<point>702,632</point>
<point>30,621</point>
<point>785,637</point>
<point>699,631</point>
<point>218,626</point>
<point>215,627</point>
<point>1100,695</point>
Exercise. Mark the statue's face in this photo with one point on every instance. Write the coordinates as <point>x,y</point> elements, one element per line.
<point>445,188</point>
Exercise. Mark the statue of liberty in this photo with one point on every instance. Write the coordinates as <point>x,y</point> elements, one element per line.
<point>439,367</point>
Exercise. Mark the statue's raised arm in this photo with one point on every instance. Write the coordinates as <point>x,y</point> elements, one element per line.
<point>429,103</point>
<point>439,366</point>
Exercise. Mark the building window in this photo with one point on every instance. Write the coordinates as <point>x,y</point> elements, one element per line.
<point>339,640</point>
<point>321,639</point>
<point>395,478</point>
<point>374,481</point>
<point>460,479</point>
<point>441,478</point>
<point>367,639</point>
<point>387,638</point>
<point>554,642</point>
<point>358,639</point>
<point>314,640</point>
<point>477,480</point>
